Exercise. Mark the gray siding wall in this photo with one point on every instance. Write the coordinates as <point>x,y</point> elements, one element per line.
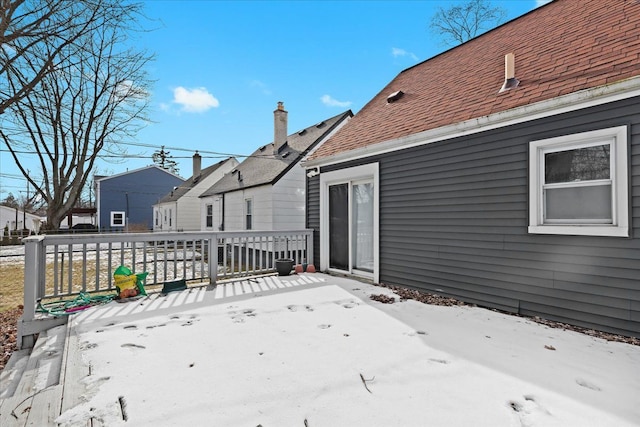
<point>454,217</point>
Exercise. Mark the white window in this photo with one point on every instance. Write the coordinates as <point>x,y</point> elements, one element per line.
<point>209,216</point>
<point>248,213</point>
<point>578,184</point>
<point>117,219</point>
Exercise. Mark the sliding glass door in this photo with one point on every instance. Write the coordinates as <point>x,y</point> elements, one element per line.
<point>351,226</point>
<point>349,241</point>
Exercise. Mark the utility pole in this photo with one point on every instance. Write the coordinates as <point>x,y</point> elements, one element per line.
<point>24,206</point>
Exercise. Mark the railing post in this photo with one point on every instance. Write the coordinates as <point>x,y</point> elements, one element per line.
<point>32,259</point>
<point>310,248</point>
<point>213,259</point>
<point>32,277</point>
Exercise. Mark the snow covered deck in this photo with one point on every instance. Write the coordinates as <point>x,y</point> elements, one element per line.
<point>315,350</point>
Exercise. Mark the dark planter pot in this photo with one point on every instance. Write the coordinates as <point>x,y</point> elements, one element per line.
<point>284,266</point>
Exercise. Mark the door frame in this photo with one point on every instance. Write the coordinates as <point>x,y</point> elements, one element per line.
<point>356,174</point>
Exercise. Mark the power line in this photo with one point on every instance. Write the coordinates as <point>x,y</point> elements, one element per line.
<point>128,156</point>
<point>213,154</point>
<point>11,176</point>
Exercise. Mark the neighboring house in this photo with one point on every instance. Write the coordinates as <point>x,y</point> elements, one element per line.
<point>513,190</point>
<point>12,219</point>
<point>267,190</point>
<point>125,201</point>
<point>184,201</point>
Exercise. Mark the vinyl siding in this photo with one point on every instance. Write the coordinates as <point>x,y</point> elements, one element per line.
<point>188,218</point>
<point>288,200</point>
<point>454,217</point>
<point>262,208</point>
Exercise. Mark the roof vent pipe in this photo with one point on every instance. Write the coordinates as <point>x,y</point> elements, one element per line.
<point>510,81</point>
<point>279,128</point>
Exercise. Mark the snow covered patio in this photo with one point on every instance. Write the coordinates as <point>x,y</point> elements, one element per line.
<point>314,350</point>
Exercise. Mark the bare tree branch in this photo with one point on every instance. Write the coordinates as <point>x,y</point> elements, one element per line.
<point>26,24</point>
<point>464,21</point>
<point>93,96</point>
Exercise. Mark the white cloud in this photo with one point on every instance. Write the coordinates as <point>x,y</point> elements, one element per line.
<point>126,89</point>
<point>196,100</point>
<point>542,2</point>
<point>263,87</point>
<point>395,51</point>
<point>332,102</point>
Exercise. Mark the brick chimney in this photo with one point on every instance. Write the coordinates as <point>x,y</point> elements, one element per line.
<point>197,164</point>
<point>279,128</point>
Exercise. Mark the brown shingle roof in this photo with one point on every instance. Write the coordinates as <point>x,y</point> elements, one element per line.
<point>560,48</point>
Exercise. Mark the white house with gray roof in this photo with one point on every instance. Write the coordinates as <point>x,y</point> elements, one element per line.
<point>267,190</point>
<point>179,210</point>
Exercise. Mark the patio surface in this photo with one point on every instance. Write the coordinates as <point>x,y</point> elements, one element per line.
<point>315,350</point>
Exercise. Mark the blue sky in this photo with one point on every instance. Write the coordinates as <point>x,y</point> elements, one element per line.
<point>221,67</point>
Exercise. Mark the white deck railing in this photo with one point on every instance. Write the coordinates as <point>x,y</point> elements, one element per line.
<point>65,265</point>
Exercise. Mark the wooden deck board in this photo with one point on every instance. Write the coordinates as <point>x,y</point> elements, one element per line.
<point>26,386</point>
<point>12,372</point>
<point>74,370</point>
<point>45,407</point>
<point>14,405</point>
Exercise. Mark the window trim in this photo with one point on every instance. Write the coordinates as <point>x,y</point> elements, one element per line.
<point>124,218</point>
<point>619,183</point>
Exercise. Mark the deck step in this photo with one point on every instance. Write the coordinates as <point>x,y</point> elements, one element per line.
<point>45,361</point>
<point>12,372</point>
<point>33,393</point>
<point>39,409</point>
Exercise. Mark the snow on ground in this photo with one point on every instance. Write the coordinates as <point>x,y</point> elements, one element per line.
<point>326,355</point>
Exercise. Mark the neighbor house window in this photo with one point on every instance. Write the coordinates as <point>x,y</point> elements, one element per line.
<point>249,213</point>
<point>157,218</point>
<point>579,184</point>
<point>209,216</point>
<point>117,219</point>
